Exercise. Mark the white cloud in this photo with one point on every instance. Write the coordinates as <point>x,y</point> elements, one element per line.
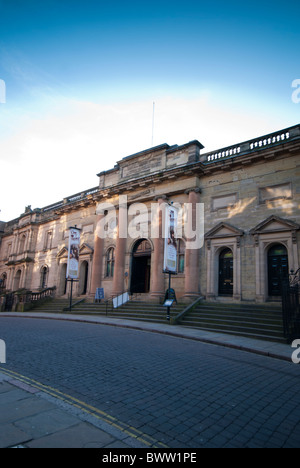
<point>59,153</point>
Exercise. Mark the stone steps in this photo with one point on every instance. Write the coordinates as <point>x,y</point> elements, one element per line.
<point>55,305</point>
<point>251,320</point>
<point>132,310</point>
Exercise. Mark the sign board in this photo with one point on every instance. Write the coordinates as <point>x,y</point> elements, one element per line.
<point>170,251</point>
<point>170,294</point>
<point>73,254</point>
<point>2,352</point>
<point>99,294</point>
<point>168,303</point>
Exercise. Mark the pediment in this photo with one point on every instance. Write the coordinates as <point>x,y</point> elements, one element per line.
<point>275,224</point>
<point>63,253</point>
<point>85,249</point>
<point>224,230</point>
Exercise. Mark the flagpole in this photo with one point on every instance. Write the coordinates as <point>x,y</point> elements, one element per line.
<point>153,123</point>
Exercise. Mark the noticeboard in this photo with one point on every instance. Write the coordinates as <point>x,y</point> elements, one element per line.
<point>99,294</point>
<point>168,303</point>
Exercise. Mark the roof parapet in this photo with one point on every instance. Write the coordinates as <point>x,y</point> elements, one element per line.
<point>263,142</point>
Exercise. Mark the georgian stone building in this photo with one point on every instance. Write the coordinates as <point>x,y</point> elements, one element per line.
<point>251,197</point>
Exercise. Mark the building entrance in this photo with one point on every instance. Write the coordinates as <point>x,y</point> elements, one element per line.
<point>226,273</point>
<point>278,269</point>
<point>83,277</point>
<point>141,267</point>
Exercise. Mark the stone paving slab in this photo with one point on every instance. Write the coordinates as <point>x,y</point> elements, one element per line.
<point>30,421</point>
<point>81,435</point>
<point>11,436</point>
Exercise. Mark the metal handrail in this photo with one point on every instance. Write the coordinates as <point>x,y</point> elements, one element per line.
<point>291,306</point>
<point>188,308</point>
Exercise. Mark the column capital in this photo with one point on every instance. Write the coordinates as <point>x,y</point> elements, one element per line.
<point>195,189</point>
<point>161,197</point>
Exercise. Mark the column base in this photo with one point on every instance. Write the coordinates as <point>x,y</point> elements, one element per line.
<point>237,297</point>
<point>191,296</point>
<point>157,297</point>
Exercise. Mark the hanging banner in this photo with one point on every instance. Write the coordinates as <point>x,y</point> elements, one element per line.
<point>170,253</point>
<point>73,254</point>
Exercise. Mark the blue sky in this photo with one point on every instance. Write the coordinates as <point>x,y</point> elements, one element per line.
<point>81,79</point>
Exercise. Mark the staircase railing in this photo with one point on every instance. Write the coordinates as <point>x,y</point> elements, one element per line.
<point>120,303</point>
<point>189,308</point>
<point>65,309</point>
<point>24,299</point>
<point>291,306</point>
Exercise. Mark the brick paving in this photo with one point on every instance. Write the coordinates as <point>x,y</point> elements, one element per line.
<point>179,392</point>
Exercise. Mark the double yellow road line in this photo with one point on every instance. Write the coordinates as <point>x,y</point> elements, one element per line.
<point>85,407</point>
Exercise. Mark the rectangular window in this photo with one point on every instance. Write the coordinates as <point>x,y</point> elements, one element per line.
<point>223,201</point>
<point>48,240</point>
<point>9,246</point>
<point>275,192</point>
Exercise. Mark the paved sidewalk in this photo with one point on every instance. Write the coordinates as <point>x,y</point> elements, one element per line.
<point>31,417</point>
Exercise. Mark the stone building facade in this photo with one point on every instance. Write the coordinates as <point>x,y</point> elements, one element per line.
<point>250,193</point>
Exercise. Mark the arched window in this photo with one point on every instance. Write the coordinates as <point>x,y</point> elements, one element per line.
<point>44,275</point>
<point>110,262</point>
<point>180,255</point>
<point>3,281</point>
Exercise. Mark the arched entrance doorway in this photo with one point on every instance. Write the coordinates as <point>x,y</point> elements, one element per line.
<point>278,268</point>
<point>141,267</point>
<point>83,275</point>
<point>226,273</point>
<point>63,280</point>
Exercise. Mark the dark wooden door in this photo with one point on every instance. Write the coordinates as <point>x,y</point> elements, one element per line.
<point>278,269</point>
<point>141,267</point>
<point>226,273</point>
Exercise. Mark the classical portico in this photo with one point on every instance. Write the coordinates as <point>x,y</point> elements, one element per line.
<point>224,241</point>
<point>282,234</point>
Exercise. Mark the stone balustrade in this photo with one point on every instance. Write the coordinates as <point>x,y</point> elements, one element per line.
<point>273,139</point>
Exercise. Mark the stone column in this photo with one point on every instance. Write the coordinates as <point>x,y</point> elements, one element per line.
<point>119,271</point>
<point>210,291</point>
<point>237,285</point>
<point>192,255</point>
<point>96,278</point>
<point>157,275</point>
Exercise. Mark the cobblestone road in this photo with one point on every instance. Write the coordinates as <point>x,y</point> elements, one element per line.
<point>182,393</point>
